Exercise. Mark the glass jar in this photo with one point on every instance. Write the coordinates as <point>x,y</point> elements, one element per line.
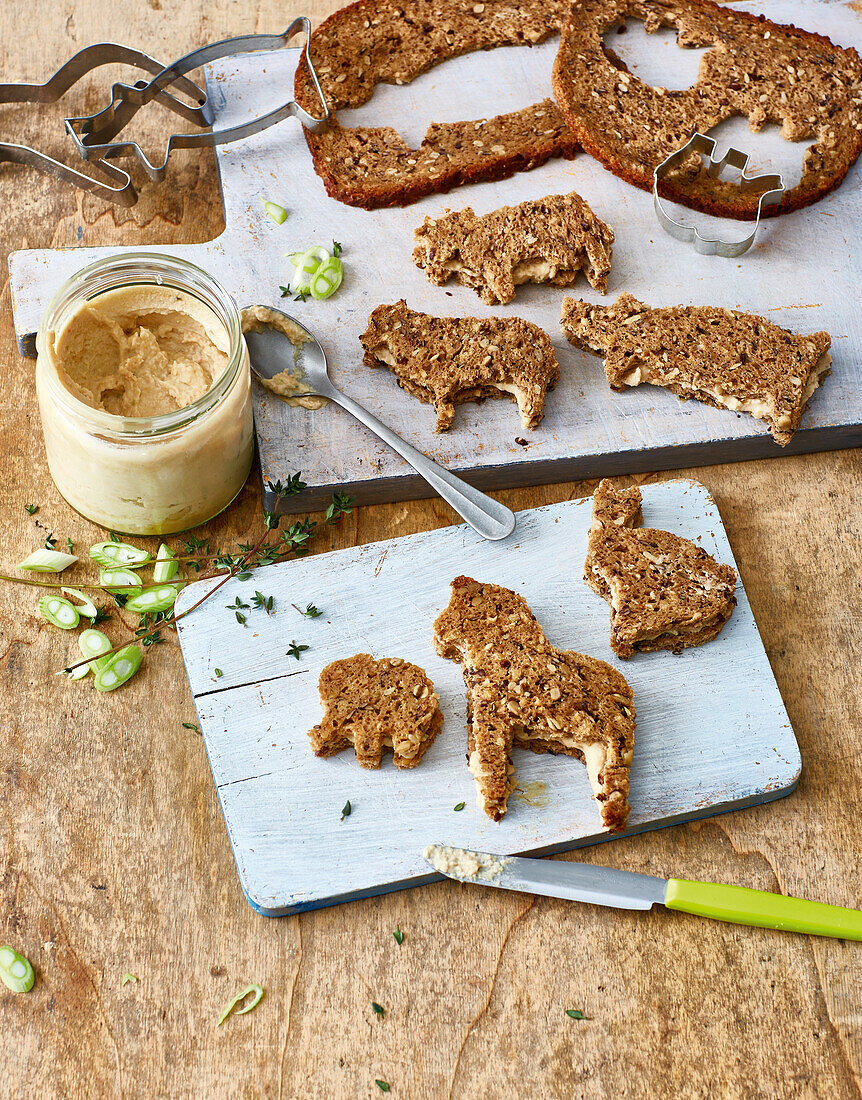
<point>146,475</point>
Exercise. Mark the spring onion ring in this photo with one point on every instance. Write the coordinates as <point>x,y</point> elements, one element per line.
<point>119,553</point>
<point>59,612</point>
<point>316,272</point>
<point>119,668</point>
<point>160,598</point>
<point>16,971</point>
<point>93,643</point>
<point>327,279</point>
<point>121,580</point>
<point>86,606</point>
<point>47,561</point>
<point>276,212</point>
<point>257,990</point>
<point>166,567</point>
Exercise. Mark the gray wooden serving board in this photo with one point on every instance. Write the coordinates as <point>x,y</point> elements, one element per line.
<point>712,732</point>
<point>804,272</point>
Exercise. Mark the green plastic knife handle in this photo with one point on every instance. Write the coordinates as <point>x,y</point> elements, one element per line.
<point>739,905</point>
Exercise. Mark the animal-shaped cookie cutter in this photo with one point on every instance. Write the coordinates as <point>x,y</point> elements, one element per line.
<point>772,187</point>
<point>118,188</point>
<point>93,134</point>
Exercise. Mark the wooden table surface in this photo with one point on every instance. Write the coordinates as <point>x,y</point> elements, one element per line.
<point>114,852</point>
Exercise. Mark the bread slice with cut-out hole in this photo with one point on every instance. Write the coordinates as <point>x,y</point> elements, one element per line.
<point>754,68</point>
<point>523,691</point>
<point>373,42</point>
<point>548,240</point>
<point>445,361</point>
<point>664,591</point>
<point>722,357</point>
<point>375,706</point>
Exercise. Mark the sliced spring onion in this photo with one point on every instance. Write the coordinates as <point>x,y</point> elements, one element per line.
<point>59,612</point>
<point>93,643</point>
<point>16,972</point>
<point>47,561</point>
<point>166,567</point>
<point>121,580</point>
<point>119,553</point>
<point>327,279</point>
<point>86,606</point>
<point>119,668</point>
<point>276,212</point>
<point>160,598</point>
<point>306,267</point>
<point>129,978</point>
<point>257,990</point>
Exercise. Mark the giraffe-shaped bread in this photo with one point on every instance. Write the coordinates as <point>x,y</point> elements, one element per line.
<point>375,706</point>
<point>665,592</point>
<point>523,691</point>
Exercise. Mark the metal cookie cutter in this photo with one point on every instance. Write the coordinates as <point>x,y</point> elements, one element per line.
<point>93,134</point>
<point>771,185</point>
<point>92,57</point>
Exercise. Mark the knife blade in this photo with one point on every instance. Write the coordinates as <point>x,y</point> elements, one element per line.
<point>618,889</point>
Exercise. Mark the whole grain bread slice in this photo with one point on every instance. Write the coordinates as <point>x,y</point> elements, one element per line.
<point>523,691</point>
<point>445,361</point>
<point>763,71</point>
<point>665,592</point>
<point>725,358</point>
<point>376,705</point>
<point>371,42</point>
<point>546,240</point>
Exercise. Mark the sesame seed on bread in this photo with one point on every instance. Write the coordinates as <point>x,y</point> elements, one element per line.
<point>722,357</point>
<point>546,240</point>
<point>523,691</point>
<point>445,361</point>
<point>383,41</point>
<point>374,706</point>
<point>757,69</point>
<point>664,591</point>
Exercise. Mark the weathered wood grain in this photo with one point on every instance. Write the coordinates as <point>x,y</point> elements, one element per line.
<point>114,793</point>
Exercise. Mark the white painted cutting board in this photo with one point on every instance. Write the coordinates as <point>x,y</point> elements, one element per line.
<point>805,272</point>
<point>712,733</point>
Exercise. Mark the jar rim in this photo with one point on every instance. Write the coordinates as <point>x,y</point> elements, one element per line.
<point>140,267</point>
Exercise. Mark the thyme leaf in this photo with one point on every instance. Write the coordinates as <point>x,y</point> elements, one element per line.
<point>31,509</point>
<point>575,1014</point>
<point>378,1009</point>
<point>295,650</point>
<point>342,505</point>
<point>399,935</point>
<point>50,541</point>
<point>460,806</point>
<point>347,811</point>
<point>382,1085</point>
<point>311,612</point>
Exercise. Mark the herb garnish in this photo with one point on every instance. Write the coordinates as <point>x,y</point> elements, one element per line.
<point>311,612</point>
<point>295,650</point>
<point>259,600</point>
<point>70,546</point>
<point>575,1014</point>
<point>347,811</point>
<point>294,485</point>
<point>342,505</point>
<point>399,935</point>
<point>378,1009</point>
<point>190,726</point>
<point>114,537</point>
<point>102,613</point>
<point>129,978</point>
<point>218,673</point>
<point>50,541</point>
<point>31,509</point>
<point>459,807</point>
<point>382,1085</point>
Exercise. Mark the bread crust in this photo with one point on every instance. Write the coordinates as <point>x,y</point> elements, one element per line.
<point>366,43</point>
<point>761,70</point>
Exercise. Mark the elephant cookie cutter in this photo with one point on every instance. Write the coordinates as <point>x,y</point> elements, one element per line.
<point>771,186</point>
<point>116,185</point>
<point>93,134</point>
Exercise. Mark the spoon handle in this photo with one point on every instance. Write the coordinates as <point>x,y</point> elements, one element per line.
<point>488,517</point>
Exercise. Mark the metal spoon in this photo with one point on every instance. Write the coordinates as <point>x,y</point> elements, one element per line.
<point>271,352</point>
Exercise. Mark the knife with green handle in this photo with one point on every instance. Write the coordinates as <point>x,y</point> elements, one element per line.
<point>631,890</point>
